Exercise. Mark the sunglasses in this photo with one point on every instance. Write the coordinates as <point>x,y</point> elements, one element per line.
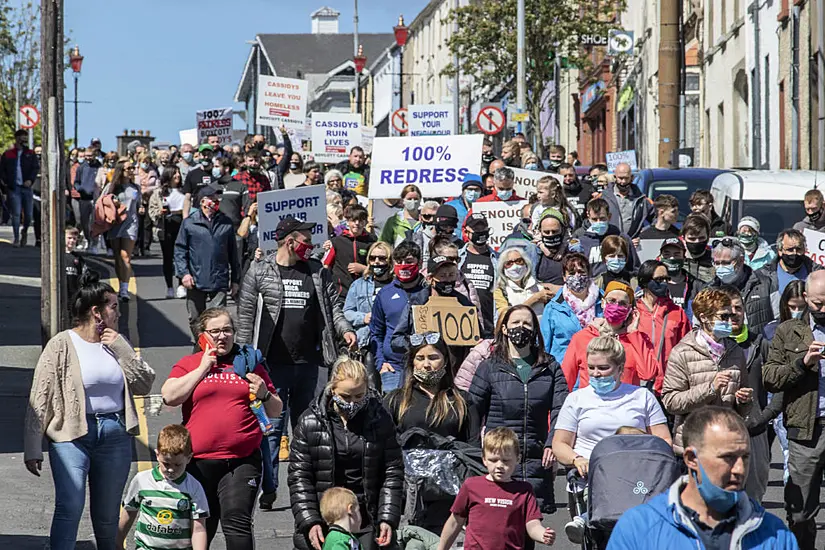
<point>727,242</point>
<point>377,258</point>
<point>517,261</point>
<point>431,338</point>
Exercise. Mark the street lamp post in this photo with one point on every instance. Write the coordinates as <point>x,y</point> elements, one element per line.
<point>360,61</point>
<point>402,32</point>
<point>76,61</point>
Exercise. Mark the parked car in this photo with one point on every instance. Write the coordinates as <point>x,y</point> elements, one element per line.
<point>681,183</point>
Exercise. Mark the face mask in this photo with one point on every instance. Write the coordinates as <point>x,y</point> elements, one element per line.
<point>346,408</point>
<point>443,288</point>
<point>144,166</point>
<point>293,165</point>
<point>480,239</point>
<point>406,272</point>
<point>205,163</point>
<point>516,272</point>
<point>554,164</point>
<point>471,195</point>
<point>216,172</point>
<point>722,329</point>
<point>615,265</point>
<point>504,194</point>
<point>429,378</point>
<point>697,249</point>
<point>188,157</point>
<point>552,241</point>
<point>603,384</point>
<point>660,290</point>
<point>429,229</point>
<point>815,216</point>
<point>598,228</point>
<point>380,270</point>
<point>531,166</point>
<point>82,161</point>
<point>818,317</point>
<point>487,158</point>
<point>520,336</point>
<point>714,496</point>
<point>616,314</point>
<point>411,205</point>
<point>303,251</point>
<point>578,282</point>
<point>726,273</point>
<point>747,240</point>
<point>797,313</point>
<point>673,265</point>
<point>792,261</point>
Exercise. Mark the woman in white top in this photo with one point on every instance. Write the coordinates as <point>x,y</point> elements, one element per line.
<point>515,284</point>
<point>166,212</point>
<point>597,411</point>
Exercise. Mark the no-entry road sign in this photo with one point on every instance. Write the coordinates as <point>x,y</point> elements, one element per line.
<point>490,120</point>
<point>29,117</point>
<point>399,121</point>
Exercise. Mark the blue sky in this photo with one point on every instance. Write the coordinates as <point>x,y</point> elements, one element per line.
<point>150,65</point>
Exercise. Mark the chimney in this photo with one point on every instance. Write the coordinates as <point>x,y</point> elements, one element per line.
<point>325,21</point>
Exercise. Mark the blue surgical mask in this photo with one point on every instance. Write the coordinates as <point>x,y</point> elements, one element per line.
<point>216,172</point>
<point>598,228</point>
<point>144,166</point>
<point>504,195</point>
<point>797,313</point>
<point>471,195</point>
<point>188,157</point>
<point>615,265</point>
<point>726,273</point>
<point>714,496</point>
<point>531,166</point>
<point>722,329</point>
<point>603,384</point>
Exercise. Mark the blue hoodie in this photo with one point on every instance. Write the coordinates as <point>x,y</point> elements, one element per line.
<point>662,522</point>
<point>386,314</point>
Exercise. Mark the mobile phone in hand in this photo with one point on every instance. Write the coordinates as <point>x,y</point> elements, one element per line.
<point>205,341</point>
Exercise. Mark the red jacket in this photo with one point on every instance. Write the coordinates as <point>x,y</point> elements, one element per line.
<point>640,359</point>
<point>668,315</point>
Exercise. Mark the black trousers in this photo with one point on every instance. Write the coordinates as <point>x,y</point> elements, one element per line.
<point>231,486</point>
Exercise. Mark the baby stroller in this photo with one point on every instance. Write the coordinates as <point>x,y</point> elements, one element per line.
<point>625,471</point>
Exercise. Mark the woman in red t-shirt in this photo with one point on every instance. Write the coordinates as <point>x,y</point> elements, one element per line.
<point>226,436</point>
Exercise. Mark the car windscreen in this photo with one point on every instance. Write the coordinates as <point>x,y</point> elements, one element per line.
<point>773,216</point>
<point>681,189</point>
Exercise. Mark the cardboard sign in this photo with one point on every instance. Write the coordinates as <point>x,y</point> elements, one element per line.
<point>649,249</point>
<point>302,203</point>
<point>502,217</point>
<point>816,245</point>
<point>457,324</point>
<point>614,159</point>
<point>215,122</point>
<point>431,120</point>
<point>281,101</point>
<point>367,139</point>
<point>334,134</point>
<point>436,164</point>
<point>189,136</point>
<point>526,181</point>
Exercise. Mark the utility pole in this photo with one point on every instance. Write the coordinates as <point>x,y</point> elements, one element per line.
<point>668,79</point>
<point>521,75</point>
<point>52,294</point>
<point>456,89</point>
<point>355,53</point>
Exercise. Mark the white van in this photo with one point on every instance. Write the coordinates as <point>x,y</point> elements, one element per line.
<point>772,197</point>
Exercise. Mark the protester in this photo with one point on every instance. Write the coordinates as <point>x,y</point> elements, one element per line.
<point>661,319</point>
<point>487,155</point>
<point>75,265</point>
<point>166,212</point>
<point>82,400</point>
<point>577,192</point>
<point>197,178</point>
<point>667,214</point>
<point>591,237</point>
<point>471,191</point>
<point>549,194</point>
<point>18,169</point>
<point>515,284</point>
<point>220,382</point>
<point>147,178</point>
<point>235,195</point>
<point>206,260</point>
<point>556,156</point>
<point>511,154</point>
<point>597,410</point>
<point>573,307</point>
<point>701,202</point>
<point>698,258</point>
<point>444,245</point>
<point>504,180</point>
<point>383,211</point>
<point>706,367</point>
<point>396,228</point>
<point>187,162</point>
<point>814,220</point>
<point>758,252</point>
<point>346,255</point>
<point>478,263</point>
<point>295,176</point>
<point>552,248</point>
<point>630,209</point>
<point>252,176</point>
<point>792,263</point>
<point>347,415</point>
<point>312,173</point>
<point>85,184</point>
<point>123,235</point>
<point>706,508</point>
<point>522,388</point>
<point>681,285</point>
<point>614,254</point>
<point>356,171</point>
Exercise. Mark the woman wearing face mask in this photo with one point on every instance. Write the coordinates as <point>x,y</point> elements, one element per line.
<point>220,382</point>
<point>166,212</point>
<point>346,439</point>
<point>552,247</point>
<point>361,297</point>
<point>396,228</point>
<point>295,176</point>
<point>572,308</point>
<point>758,253</point>
<point>122,236</point>
<point>661,319</point>
<point>522,388</point>
<point>428,400</point>
<point>516,284</point>
<point>529,161</point>
<point>82,400</point>
<point>706,367</point>
<point>598,410</point>
<point>334,180</point>
<point>620,320</point>
<point>614,251</point>
<point>146,177</point>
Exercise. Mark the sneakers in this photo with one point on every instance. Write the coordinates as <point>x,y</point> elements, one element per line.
<point>574,529</point>
<point>283,454</point>
<point>267,500</point>
<point>124,292</point>
<point>170,293</point>
<point>180,293</point>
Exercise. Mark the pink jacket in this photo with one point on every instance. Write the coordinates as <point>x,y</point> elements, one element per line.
<point>465,374</point>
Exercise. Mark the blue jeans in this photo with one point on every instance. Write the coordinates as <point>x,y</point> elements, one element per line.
<point>391,380</point>
<point>104,456</point>
<point>296,385</point>
<point>22,200</point>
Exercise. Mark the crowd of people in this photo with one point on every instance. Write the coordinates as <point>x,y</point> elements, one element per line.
<point>714,348</point>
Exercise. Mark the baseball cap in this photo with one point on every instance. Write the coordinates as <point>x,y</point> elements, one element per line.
<point>95,140</point>
<point>673,241</point>
<point>749,221</point>
<point>290,225</point>
<point>205,147</point>
<point>477,222</point>
<point>207,191</point>
<point>471,180</point>
<point>446,212</point>
<point>437,261</point>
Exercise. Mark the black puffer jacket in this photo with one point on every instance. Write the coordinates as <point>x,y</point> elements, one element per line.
<point>756,295</point>
<point>312,465</point>
<point>503,399</point>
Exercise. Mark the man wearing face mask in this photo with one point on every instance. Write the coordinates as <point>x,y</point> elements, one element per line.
<point>552,248</point>
<point>596,229</point>
<point>813,203</point>
<point>187,160</point>
<point>682,286</point>
<point>795,366</point>
<point>556,156</point>
<point>504,180</point>
<point>477,261</point>
<point>630,209</point>
<point>470,193</point>
<point>791,264</point>
<point>425,230</point>
<point>206,257</point>
<point>198,177</point>
<point>701,202</point>
<point>251,175</point>
<point>698,261</point>
<point>487,155</point>
<point>511,154</point>
<point>578,192</point>
<point>707,508</point>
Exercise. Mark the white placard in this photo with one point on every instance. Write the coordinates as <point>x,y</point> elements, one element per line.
<point>334,134</point>
<point>367,139</point>
<point>649,249</point>
<point>502,217</point>
<point>614,159</point>
<point>189,136</point>
<point>436,164</point>
<point>431,120</point>
<point>816,245</point>
<point>526,181</point>
<point>215,122</point>
<point>302,203</point>
<point>281,101</point>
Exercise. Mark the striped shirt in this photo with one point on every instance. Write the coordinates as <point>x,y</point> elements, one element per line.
<point>166,509</point>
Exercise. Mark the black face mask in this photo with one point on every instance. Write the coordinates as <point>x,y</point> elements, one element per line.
<point>380,270</point>
<point>815,216</point>
<point>551,241</point>
<point>792,261</point>
<point>520,336</point>
<point>818,317</point>
<point>480,239</point>
<point>660,290</point>
<point>444,229</point>
<point>444,288</point>
<point>697,249</point>
<point>487,158</point>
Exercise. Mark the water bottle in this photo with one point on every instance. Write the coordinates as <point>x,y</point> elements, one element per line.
<point>258,410</point>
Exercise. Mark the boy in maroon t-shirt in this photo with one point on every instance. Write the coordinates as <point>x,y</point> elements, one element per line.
<point>496,509</point>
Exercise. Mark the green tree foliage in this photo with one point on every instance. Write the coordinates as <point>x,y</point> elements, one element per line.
<point>19,63</point>
<point>486,44</point>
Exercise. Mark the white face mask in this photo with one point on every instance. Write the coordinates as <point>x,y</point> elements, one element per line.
<point>411,205</point>
<point>515,272</point>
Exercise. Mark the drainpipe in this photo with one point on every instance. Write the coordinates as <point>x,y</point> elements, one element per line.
<point>682,82</point>
<point>255,86</point>
<point>820,72</point>
<point>795,88</point>
<point>756,90</point>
